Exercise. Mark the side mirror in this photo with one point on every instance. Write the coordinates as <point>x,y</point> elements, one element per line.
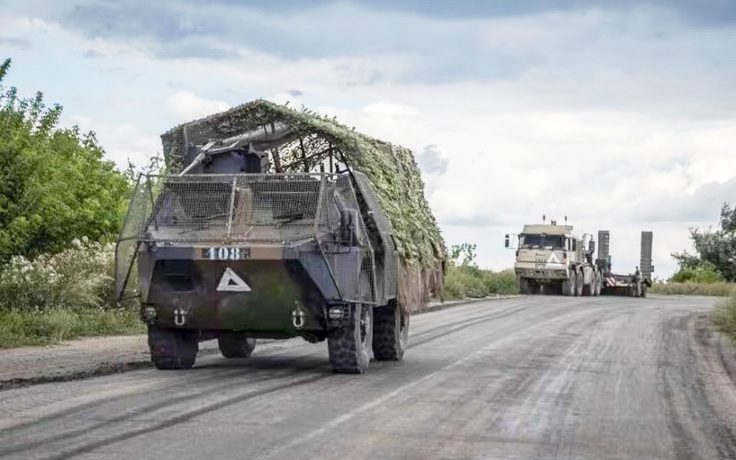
<point>507,241</point>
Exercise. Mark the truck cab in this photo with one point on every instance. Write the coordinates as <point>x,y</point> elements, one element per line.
<point>550,257</point>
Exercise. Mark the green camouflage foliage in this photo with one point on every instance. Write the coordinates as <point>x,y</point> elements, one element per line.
<point>390,168</point>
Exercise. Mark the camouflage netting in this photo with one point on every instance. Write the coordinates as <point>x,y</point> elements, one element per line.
<point>319,141</point>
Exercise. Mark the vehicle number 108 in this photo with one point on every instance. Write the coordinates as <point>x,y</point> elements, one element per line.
<point>226,253</point>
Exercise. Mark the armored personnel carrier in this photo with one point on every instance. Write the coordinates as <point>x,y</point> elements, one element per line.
<point>274,223</point>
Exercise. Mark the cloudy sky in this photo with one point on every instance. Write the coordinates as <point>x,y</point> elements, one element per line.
<point>619,115</point>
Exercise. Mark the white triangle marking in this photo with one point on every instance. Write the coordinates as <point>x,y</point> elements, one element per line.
<point>232,282</point>
<point>553,259</point>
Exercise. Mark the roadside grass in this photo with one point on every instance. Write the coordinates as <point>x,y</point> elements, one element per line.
<point>717,289</point>
<point>62,296</point>
<point>465,281</point>
<point>724,315</point>
<point>25,328</point>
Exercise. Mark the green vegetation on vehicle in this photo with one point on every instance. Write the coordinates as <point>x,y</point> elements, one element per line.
<point>315,140</point>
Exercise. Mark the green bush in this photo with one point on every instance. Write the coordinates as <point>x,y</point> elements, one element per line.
<point>80,277</point>
<point>703,272</point>
<point>467,281</point>
<point>724,315</point>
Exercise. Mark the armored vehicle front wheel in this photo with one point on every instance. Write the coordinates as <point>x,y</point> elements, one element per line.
<point>390,333</point>
<point>235,344</point>
<point>350,345</point>
<point>172,348</point>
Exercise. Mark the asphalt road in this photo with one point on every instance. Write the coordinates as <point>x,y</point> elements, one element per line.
<point>530,377</point>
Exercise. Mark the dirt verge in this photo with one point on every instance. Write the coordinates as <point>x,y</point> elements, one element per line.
<point>95,356</point>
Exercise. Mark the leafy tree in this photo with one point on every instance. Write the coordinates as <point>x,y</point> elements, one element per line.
<point>715,256</point>
<point>463,254</point>
<point>55,185</point>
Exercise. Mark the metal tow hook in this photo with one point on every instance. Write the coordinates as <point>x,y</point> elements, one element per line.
<point>180,316</point>
<point>298,317</point>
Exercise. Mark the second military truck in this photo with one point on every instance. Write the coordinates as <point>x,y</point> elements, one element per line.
<point>550,258</point>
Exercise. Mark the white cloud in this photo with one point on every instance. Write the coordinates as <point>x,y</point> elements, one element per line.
<point>188,106</point>
<point>290,98</point>
<point>621,120</point>
<point>390,109</point>
<point>122,143</point>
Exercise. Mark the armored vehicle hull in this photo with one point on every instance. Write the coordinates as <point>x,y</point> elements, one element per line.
<point>262,256</point>
<point>279,223</point>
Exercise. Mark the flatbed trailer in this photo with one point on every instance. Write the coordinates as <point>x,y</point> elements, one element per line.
<point>632,285</point>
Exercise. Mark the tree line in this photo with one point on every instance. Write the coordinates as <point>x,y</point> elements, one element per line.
<point>55,184</point>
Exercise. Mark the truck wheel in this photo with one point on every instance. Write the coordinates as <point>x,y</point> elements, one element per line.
<point>390,333</point>
<point>350,346</point>
<point>597,284</point>
<point>524,287</point>
<point>643,290</point>
<point>235,344</point>
<point>590,288</point>
<point>568,286</point>
<point>579,284</point>
<point>172,348</point>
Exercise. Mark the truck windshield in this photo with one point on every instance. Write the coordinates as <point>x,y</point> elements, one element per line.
<point>541,241</point>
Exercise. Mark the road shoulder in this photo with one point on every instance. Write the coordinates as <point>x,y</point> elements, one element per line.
<point>92,356</point>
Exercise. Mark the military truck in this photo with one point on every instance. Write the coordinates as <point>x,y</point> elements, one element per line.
<point>551,259</point>
<point>271,224</point>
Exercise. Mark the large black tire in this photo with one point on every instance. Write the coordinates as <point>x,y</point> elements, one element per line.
<point>235,344</point>
<point>588,289</point>
<point>569,286</point>
<point>172,348</point>
<point>579,283</point>
<point>528,287</point>
<point>591,289</point>
<point>390,333</point>
<point>350,346</point>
